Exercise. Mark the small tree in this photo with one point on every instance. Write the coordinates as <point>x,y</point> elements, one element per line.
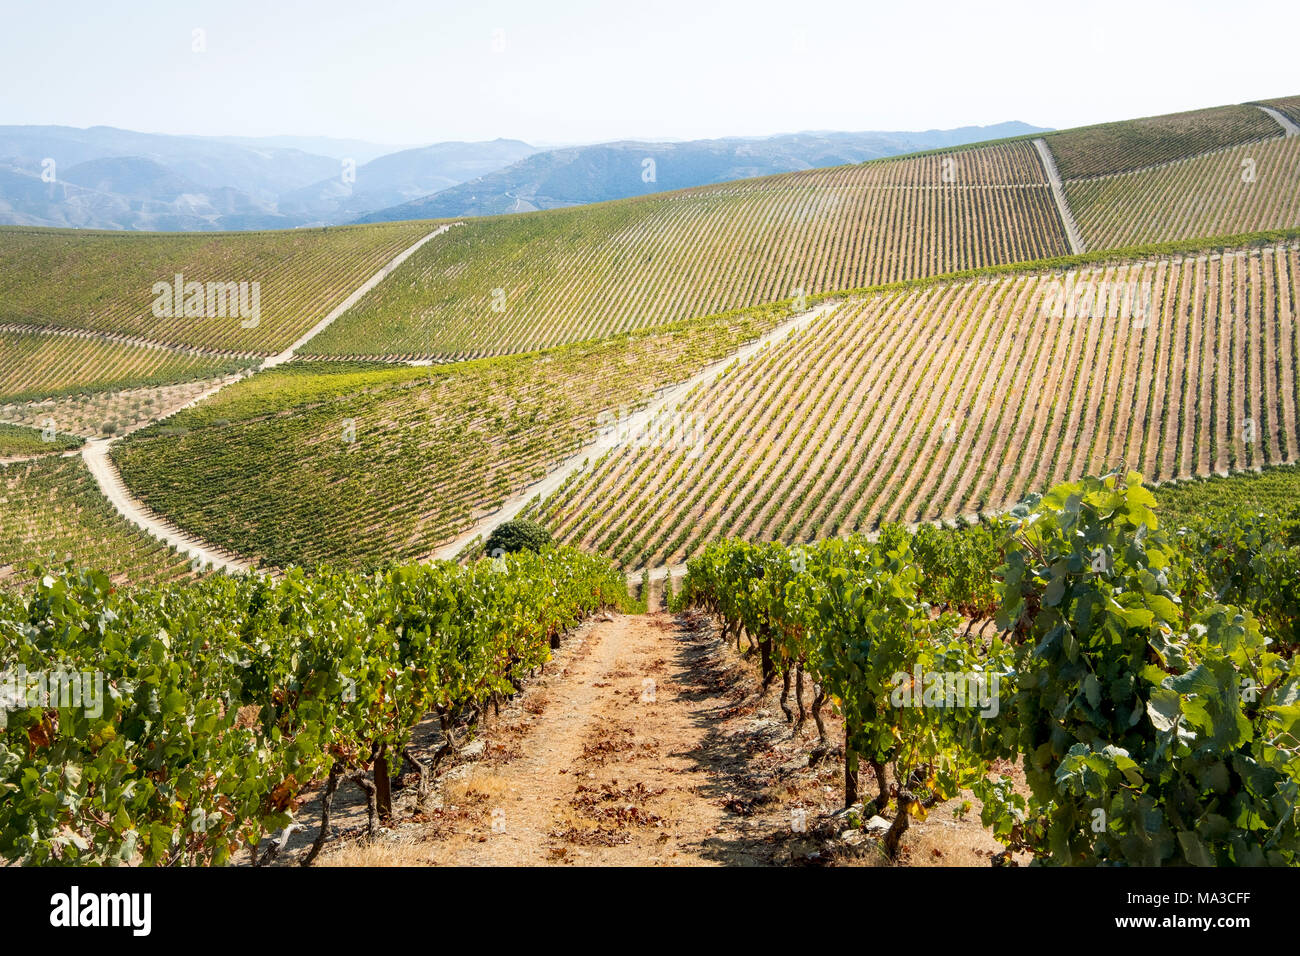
<point>517,535</point>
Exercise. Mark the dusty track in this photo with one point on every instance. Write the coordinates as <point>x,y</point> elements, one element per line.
<point>584,769</point>
<point>1288,128</point>
<point>1073,237</point>
<point>110,483</point>
<point>109,479</point>
<point>604,776</point>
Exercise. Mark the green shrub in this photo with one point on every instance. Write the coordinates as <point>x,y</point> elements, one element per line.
<point>517,535</point>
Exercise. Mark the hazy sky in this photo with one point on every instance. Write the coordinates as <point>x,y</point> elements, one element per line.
<point>548,71</point>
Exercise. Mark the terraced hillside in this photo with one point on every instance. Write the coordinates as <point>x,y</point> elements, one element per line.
<point>1132,144</point>
<point>51,510</point>
<point>1243,189</point>
<point>963,396</point>
<point>37,365</point>
<point>337,463</point>
<point>517,283</point>
<point>104,281</point>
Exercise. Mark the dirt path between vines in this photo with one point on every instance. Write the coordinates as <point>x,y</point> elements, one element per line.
<point>1073,235</point>
<point>647,742</point>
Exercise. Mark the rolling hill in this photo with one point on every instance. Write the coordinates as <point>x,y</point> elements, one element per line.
<point>1238,189</point>
<point>333,463</point>
<point>396,178</point>
<point>516,283</point>
<point>104,282</point>
<point>1133,144</point>
<point>106,178</point>
<point>54,512</point>
<point>935,264</point>
<point>959,397</point>
<point>38,365</point>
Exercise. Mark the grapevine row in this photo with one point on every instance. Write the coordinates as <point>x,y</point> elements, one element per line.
<point>38,366</point>
<point>1133,144</point>
<point>1246,188</point>
<point>104,281</point>
<point>936,402</point>
<point>52,510</point>
<point>332,463</point>
<point>535,280</point>
<point>219,703</point>
<point>1143,678</point>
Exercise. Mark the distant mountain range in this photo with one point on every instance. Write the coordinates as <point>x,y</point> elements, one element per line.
<point>400,177</point>
<point>587,174</point>
<point>106,178</point>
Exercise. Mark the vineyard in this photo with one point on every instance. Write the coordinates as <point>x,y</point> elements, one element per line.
<point>1145,678</point>
<point>517,283</point>
<point>243,693</point>
<point>1288,106</point>
<point>37,365</point>
<point>51,509</point>
<point>1270,491</point>
<point>896,484</point>
<point>193,721</point>
<point>104,282</point>
<point>340,463</point>
<point>1243,189</point>
<point>1133,144</point>
<point>19,442</point>
<point>960,397</point>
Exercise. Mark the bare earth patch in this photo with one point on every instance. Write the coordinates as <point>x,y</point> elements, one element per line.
<point>647,742</point>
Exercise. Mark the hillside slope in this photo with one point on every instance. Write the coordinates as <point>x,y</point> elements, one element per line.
<point>964,396</point>
<point>336,463</point>
<point>1132,144</point>
<point>51,510</point>
<point>524,282</point>
<point>38,364</point>
<point>104,281</point>
<point>1241,189</point>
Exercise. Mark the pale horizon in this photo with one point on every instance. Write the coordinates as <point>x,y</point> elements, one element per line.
<point>403,74</point>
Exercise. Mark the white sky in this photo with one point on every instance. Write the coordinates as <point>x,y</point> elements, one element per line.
<point>404,71</point>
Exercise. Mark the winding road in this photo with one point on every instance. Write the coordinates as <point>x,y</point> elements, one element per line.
<point>96,453</point>
<point>1289,128</point>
